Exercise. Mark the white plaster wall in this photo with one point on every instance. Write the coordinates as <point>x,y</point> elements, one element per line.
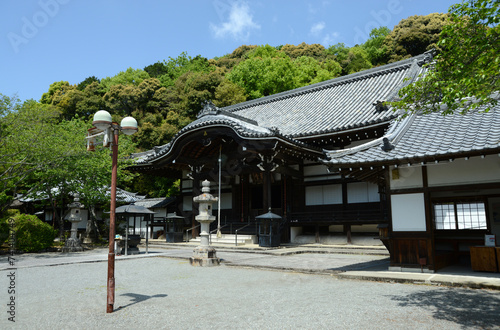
<point>362,192</point>
<point>408,212</point>
<point>294,232</point>
<point>315,170</point>
<point>409,177</point>
<point>324,194</point>
<point>461,171</point>
<point>162,212</point>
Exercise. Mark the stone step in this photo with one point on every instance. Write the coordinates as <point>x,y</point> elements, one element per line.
<point>228,239</point>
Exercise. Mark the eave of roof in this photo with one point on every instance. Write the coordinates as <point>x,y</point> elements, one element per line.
<point>243,129</point>
<point>429,137</point>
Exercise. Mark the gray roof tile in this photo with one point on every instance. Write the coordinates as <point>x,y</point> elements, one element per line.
<point>429,136</point>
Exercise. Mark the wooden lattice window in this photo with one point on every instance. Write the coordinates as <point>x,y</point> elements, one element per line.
<point>460,215</point>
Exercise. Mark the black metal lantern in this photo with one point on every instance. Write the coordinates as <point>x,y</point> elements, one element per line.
<point>174,228</point>
<point>269,229</point>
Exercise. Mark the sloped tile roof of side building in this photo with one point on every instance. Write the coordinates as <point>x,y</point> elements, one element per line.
<point>427,138</point>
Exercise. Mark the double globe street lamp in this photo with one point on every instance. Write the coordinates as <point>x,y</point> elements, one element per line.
<point>105,126</point>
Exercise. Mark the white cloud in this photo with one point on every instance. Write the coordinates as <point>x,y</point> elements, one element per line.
<point>239,24</point>
<point>317,28</point>
<point>330,38</point>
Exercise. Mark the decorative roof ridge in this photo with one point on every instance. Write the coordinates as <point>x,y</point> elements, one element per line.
<point>365,74</point>
<point>211,109</point>
<point>161,150</point>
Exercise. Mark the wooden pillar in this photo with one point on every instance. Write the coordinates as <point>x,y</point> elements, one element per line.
<point>317,240</point>
<point>196,192</point>
<point>431,251</point>
<point>245,200</point>
<point>347,231</point>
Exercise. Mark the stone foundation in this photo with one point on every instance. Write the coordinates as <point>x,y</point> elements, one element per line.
<point>72,245</point>
<point>204,257</point>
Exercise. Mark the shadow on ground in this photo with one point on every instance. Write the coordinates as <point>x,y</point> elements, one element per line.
<point>468,308</point>
<point>372,265</point>
<point>137,298</point>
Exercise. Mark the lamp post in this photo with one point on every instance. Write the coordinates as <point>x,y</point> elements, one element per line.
<point>103,123</point>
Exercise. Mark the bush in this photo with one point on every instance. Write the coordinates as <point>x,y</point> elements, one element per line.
<point>32,234</point>
<point>4,231</point>
<point>5,224</point>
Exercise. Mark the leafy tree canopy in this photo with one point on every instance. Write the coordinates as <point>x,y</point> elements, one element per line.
<point>168,71</point>
<point>81,86</point>
<point>374,46</point>
<point>315,51</point>
<point>465,72</point>
<point>414,36</point>
<point>129,77</point>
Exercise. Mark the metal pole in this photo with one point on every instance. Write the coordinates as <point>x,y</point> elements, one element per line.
<point>219,234</point>
<point>126,236</point>
<point>111,253</point>
<point>147,222</point>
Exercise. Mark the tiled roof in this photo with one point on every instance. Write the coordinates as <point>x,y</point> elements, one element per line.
<point>243,128</point>
<point>343,103</point>
<point>346,102</point>
<point>155,202</point>
<point>429,137</point>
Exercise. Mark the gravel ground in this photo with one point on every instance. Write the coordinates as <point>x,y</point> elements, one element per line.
<point>170,294</point>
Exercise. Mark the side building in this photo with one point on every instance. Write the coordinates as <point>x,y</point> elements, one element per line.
<point>442,183</point>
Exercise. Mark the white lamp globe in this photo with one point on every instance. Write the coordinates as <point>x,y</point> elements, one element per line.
<point>102,120</point>
<point>129,125</point>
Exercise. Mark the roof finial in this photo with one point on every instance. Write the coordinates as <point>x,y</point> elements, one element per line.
<point>388,146</point>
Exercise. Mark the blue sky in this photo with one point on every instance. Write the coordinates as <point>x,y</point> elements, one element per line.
<point>43,41</point>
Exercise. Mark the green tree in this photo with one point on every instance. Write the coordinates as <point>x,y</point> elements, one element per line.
<point>316,51</point>
<point>193,88</point>
<point>129,77</point>
<point>374,46</point>
<point>339,50</point>
<point>414,36</point>
<point>229,93</point>
<point>465,72</point>
<point>81,86</point>
<point>267,71</point>
<point>23,147</point>
<point>91,101</point>
<point>57,88</point>
<point>310,71</point>
<point>357,60</point>
<point>168,71</point>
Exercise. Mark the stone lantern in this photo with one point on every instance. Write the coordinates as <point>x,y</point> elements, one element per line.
<point>73,244</point>
<point>205,255</point>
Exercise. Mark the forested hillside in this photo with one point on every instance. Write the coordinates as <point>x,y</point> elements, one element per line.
<point>165,96</point>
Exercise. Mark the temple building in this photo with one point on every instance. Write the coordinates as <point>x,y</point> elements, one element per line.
<point>336,162</point>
